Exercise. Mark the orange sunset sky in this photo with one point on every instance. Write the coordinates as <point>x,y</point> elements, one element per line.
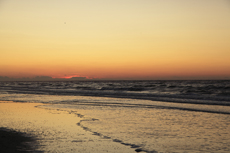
<point>117,39</point>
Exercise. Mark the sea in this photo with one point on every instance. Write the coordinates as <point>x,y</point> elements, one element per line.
<point>149,116</point>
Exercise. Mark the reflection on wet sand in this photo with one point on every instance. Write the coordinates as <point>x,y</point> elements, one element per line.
<point>73,127</point>
<point>55,131</point>
<point>155,129</point>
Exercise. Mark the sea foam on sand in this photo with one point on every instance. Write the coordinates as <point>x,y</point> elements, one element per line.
<point>55,131</point>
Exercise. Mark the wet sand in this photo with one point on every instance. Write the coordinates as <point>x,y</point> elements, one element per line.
<point>54,130</point>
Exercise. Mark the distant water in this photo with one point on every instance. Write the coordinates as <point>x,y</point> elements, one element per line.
<point>203,92</point>
<point>153,116</point>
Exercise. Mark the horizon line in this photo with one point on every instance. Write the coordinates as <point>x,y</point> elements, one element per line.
<point>49,78</point>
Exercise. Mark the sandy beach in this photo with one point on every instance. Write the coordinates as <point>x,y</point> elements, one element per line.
<point>53,130</point>
<point>88,124</point>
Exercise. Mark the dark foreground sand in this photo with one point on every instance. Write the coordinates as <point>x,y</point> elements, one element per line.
<point>15,142</point>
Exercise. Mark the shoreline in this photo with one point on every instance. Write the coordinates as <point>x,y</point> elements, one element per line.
<point>54,130</point>
<point>63,127</point>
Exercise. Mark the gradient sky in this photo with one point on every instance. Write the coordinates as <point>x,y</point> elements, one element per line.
<point>134,39</point>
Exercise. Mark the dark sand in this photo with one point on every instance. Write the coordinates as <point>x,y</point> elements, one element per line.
<point>15,142</point>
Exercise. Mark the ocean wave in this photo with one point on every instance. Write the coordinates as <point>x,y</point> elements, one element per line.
<point>196,92</point>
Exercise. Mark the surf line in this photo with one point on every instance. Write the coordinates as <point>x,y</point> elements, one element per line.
<point>134,146</point>
<point>85,119</point>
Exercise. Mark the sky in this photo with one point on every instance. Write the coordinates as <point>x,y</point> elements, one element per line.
<point>116,39</point>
